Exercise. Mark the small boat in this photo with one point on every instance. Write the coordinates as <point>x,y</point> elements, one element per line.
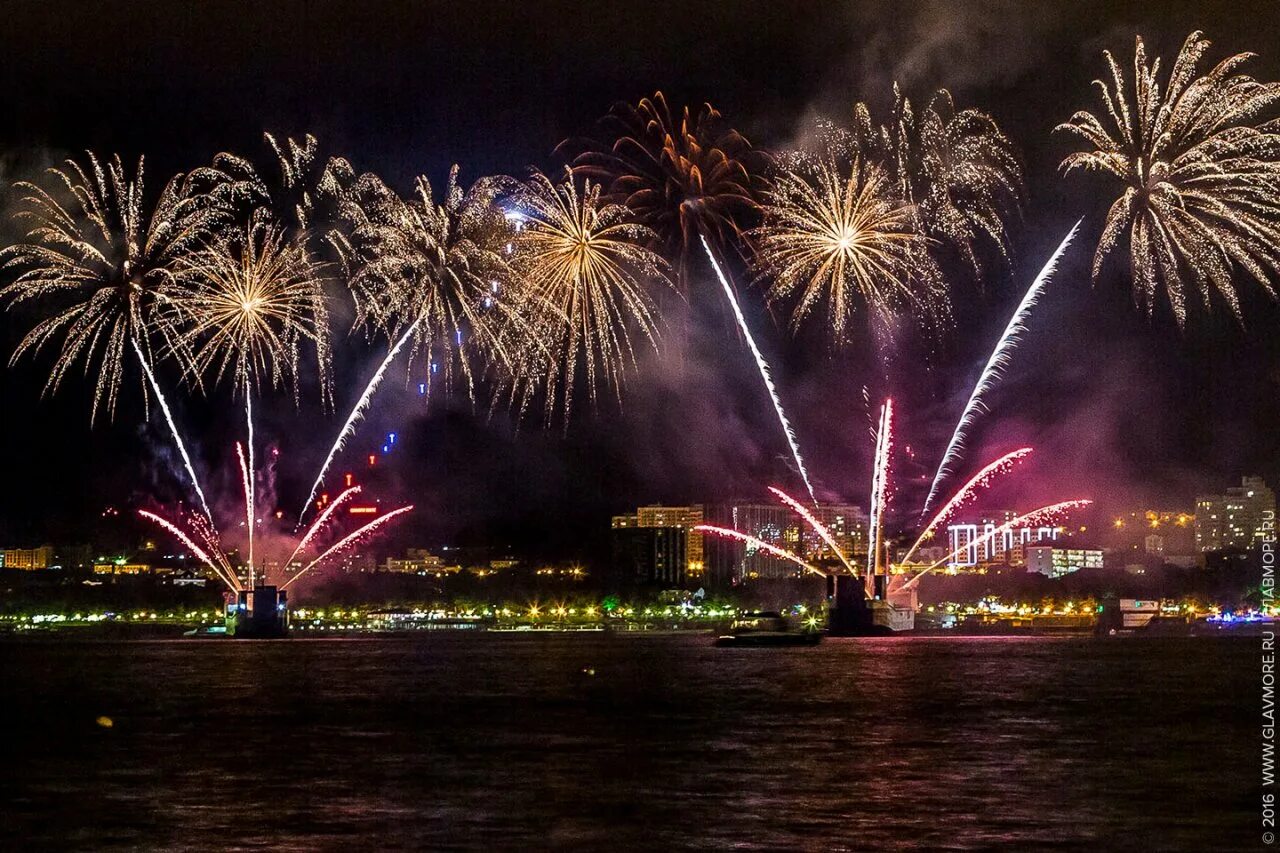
<point>766,629</point>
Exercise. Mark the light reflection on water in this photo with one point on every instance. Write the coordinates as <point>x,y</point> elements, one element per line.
<point>506,742</point>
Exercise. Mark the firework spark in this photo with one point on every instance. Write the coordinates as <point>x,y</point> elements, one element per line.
<point>247,477</point>
<point>346,541</point>
<point>762,545</point>
<point>211,552</point>
<point>584,262</point>
<point>92,244</point>
<point>995,367</point>
<point>173,427</point>
<point>846,239</point>
<point>763,367</point>
<point>818,527</point>
<point>1200,167</point>
<point>978,482</point>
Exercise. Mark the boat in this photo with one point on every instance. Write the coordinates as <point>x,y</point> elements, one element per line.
<point>766,628</point>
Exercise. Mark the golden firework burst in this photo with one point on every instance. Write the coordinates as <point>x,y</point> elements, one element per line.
<point>438,266</point>
<point>957,168</point>
<point>846,238</point>
<point>247,303</point>
<point>1200,167</point>
<point>586,266</point>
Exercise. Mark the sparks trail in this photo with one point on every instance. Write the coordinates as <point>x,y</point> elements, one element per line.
<point>354,418</point>
<point>230,580</point>
<point>763,367</point>
<point>212,554</point>
<point>1044,514</point>
<point>319,522</point>
<point>995,367</point>
<point>979,481</point>
<point>348,540</point>
<point>173,427</point>
<point>818,527</point>
<point>879,484</point>
<point>761,544</point>
<point>247,480</point>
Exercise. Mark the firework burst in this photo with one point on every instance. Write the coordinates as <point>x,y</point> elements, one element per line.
<point>1200,167</point>
<point>439,265</point>
<point>683,177</point>
<point>296,189</point>
<point>846,239</point>
<point>246,304</point>
<point>585,264</point>
<point>93,249</point>
<point>957,168</point>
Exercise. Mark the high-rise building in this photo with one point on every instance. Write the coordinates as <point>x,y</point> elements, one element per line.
<point>780,526</point>
<point>649,555</point>
<point>685,518</point>
<point>1234,519</point>
<point>679,517</point>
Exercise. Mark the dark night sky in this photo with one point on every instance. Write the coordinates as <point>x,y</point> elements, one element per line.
<point>1121,408</point>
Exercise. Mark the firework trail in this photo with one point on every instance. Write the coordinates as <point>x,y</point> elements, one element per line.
<point>818,527</point>
<point>250,492</point>
<point>247,474</point>
<point>354,418</point>
<point>319,522</point>
<point>203,527</point>
<point>347,540</point>
<point>763,367</point>
<point>879,483</point>
<point>979,481</point>
<point>230,581</point>
<point>761,544</point>
<point>173,428</point>
<point>995,366</point>
<point>1036,516</point>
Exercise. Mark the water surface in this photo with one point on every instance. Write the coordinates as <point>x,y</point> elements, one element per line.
<point>648,743</point>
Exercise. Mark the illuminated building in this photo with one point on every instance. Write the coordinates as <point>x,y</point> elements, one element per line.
<point>649,555</point>
<point>121,567</point>
<point>1234,519</point>
<point>682,517</point>
<point>1055,562</point>
<point>420,561</point>
<point>27,559</point>
<point>975,546</point>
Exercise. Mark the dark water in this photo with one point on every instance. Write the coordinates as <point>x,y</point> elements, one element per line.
<point>504,742</point>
